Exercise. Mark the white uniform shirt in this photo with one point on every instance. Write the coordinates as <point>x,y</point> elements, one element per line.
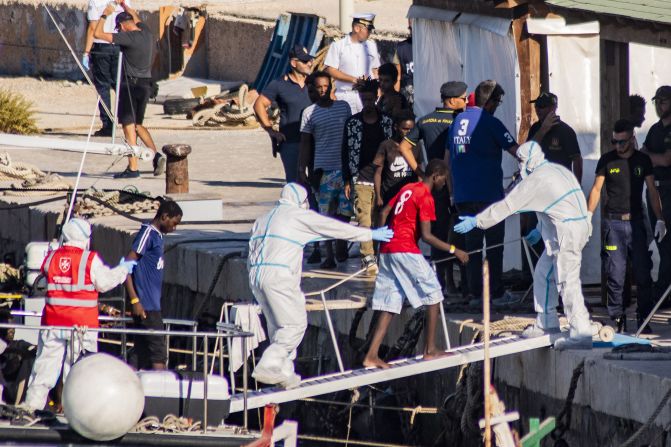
<point>95,10</point>
<point>353,58</point>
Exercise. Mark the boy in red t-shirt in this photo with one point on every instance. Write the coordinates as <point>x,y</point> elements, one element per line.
<point>404,273</point>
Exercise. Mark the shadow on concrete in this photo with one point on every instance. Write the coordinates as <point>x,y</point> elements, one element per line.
<point>269,183</point>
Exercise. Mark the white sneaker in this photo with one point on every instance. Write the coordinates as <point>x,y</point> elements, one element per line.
<point>370,263</point>
<point>533,331</point>
<point>581,342</point>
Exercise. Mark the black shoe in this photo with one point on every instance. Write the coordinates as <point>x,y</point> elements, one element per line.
<point>328,264</point>
<point>341,251</point>
<point>647,329</point>
<point>315,257</point>
<point>158,164</point>
<point>127,173</point>
<point>103,132</point>
<point>621,324</point>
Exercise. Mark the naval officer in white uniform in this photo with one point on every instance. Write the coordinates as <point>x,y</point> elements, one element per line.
<point>352,58</point>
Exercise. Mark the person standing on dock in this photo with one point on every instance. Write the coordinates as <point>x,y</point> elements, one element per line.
<point>75,276</point>
<point>275,267</point>
<point>353,59</point>
<point>404,273</point>
<point>290,92</point>
<point>137,43</point>
<point>143,288</point>
<point>623,171</point>
<point>553,192</point>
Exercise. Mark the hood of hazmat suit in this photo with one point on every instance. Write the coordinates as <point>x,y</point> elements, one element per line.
<point>77,232</point>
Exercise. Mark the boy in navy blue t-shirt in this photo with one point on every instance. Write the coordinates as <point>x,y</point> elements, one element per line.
<point>144,285</point>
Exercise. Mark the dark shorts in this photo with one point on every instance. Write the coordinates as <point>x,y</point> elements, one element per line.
<point>150,349</point>
<point>133,98</point>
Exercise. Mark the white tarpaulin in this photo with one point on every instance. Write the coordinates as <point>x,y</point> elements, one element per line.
<point>573,63</point>
<point>448,46</point>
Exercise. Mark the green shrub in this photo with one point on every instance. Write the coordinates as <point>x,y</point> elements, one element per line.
<point>16,114</point>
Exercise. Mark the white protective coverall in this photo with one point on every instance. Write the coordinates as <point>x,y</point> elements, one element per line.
<point>553,192</point>
<point>53,345</point>
<point>275,266</point>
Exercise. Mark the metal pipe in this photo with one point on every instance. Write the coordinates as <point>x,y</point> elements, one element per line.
<point>227,334</point>
<point>205,385</point>
<point>229,345</point>
<point>487,364</point>
<point>31,142</point>
<point>653,311</point>
<point>442,317</point>
<point>72,346</point>
<point>194,350</point>
<point>245,417</point>
<point>333,335</point>
<point>484,249</point>
<point>167,344</point>
<point>346,12</point>
<point>116,97</point>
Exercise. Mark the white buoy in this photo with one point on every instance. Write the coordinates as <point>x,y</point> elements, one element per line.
<point>102,397</point>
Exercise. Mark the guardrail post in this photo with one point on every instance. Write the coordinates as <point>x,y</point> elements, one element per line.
<point>333,334</point>
<point>205,354</point>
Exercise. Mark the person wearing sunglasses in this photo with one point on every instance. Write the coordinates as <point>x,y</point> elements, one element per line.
<point>623,171</point>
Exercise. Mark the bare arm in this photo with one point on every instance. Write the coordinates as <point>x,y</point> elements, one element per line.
<point>382,218</point>
<point>655,201</point>
<point>261,110</point>
<point>406,151</point>
<point>429,238</point>
<point>513,150</point>
<point>377,182</point>
<point>99,32</point>
<point>397,86</point>
<point>132,12</point>
<point>136,309</point>
<point>340,76</point>
<point>90,29</point>
<point>595,193</point>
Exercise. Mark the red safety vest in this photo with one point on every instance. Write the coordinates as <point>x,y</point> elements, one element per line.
<point>72,299</point>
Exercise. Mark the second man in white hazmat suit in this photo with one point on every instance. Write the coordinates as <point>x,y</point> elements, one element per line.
<point>275,266</point>
<point>554,194</point>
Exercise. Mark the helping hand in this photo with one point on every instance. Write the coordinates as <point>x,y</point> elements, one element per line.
<point>467,224</point>
<point>85,61</point>
<point>660,230</point>
<point>383,234</point>
<point>533,237</point>
<point>128,265</point>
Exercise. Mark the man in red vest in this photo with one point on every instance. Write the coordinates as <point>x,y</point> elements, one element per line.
<point>75,275</point>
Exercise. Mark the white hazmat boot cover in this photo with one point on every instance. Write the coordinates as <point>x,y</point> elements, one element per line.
<point>102,397</point>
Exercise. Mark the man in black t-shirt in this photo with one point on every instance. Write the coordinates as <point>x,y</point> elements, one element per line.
<point>290,93</point>
<point>658,146</point>
<point>558,141</point>
<point>137,45</point>
<point>364,132</point>
<point>432,129</point>
<point>405,66</point>
<point>623,171</point>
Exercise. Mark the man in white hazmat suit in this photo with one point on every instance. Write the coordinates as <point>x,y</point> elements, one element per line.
<point>75,275</point>
<point>275,266</point>
<point>554,194</point>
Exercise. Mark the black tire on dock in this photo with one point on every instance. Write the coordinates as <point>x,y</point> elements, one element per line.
<point>179,106</point>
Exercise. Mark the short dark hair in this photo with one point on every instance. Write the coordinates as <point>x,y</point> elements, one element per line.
<point>623,125</point>
<point>636,102</point>
<point>404,115</point>
<point>488,91</point>
<point>388,69</point>
<point>436,166</point>
<point>319,74</point>
<point>170,208</point>
<point>368,86</point>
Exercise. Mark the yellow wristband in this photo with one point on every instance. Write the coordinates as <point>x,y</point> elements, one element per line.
<point>134,300</point>
<point>452,249</point>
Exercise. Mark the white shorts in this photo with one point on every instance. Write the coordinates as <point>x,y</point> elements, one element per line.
<point>405,275</point>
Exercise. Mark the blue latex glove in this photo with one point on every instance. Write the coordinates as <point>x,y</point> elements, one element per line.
<point>85,61</point>
<point>383,234</point>
<point>533,237</point>
<point>467,224</point>
<point>129,265</point>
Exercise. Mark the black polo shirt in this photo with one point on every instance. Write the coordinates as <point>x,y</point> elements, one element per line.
<point>624,182</point>
<point>560,144</point>
<point>291,98</point>
<point>432,129</point>
<point>403,57</point>
<point>658,141</point>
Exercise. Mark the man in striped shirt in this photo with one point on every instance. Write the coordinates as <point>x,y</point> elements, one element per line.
<point>322,127</point>
<point>143,287</point>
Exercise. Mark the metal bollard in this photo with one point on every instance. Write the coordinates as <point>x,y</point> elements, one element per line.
<point>177,168</point>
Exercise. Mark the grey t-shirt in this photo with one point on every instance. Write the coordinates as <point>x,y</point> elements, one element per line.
<point>138,51</point>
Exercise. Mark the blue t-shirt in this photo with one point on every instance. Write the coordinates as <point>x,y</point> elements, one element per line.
<point>476,142</point>
<point>148,273</point>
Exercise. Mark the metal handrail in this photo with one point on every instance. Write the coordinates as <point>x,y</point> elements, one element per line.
<point>227,331</point>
